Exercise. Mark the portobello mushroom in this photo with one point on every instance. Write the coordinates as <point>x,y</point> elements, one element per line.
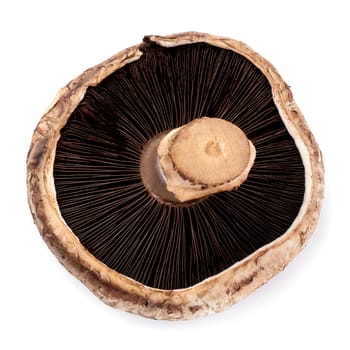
<point>176,177</point>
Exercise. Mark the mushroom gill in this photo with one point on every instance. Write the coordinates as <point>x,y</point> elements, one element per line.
<point>160,243</point>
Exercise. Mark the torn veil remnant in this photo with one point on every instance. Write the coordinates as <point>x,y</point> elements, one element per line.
<point>176,177</point>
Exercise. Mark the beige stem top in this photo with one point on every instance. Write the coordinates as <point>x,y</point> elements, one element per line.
<point>205,156</point>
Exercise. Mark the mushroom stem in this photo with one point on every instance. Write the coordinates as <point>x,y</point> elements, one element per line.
<point>203,157</point>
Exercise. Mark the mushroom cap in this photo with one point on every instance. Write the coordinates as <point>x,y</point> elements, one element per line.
<point>214,293</point>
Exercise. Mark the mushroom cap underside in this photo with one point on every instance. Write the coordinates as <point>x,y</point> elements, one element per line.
<point>153,293</point>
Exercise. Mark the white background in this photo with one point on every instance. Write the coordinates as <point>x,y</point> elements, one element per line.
<point>46,44</point>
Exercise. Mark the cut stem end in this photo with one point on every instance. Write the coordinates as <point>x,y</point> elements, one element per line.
<point>203,157</point>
